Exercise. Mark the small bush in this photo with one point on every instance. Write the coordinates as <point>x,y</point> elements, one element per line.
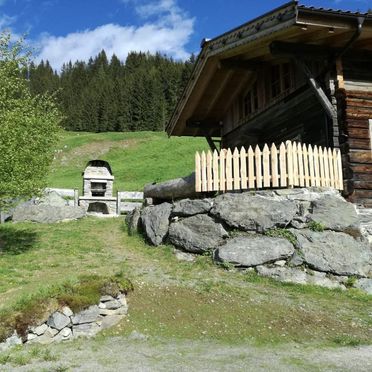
<point>282,233</point>
<point>316,226</point>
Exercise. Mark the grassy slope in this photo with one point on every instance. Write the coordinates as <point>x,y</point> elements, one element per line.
<point>173,299</point>
<point>136,158</point>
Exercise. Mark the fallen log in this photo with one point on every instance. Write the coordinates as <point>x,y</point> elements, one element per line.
<point>179,188</point>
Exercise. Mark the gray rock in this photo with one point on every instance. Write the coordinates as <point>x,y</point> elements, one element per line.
<point>11,341</point>
<point>334,252</point>
<point>40,329</point>
<point>296,259</point>
<point>31,336</point>
<point>365,285</point>
<point>184,256</point>
<point>86,316</point>
<point>253,250</point>
<point>334,213</point>
<point>133,219</point>
<point>52,198</point>
<point>51,332</point>
<point>197,234</point>
<point>121,311</point>
<point>253,213</point>
<point>58,321</point>
<point>298,276</point>
<point>189,207</point>
<point>45,213</point>
<point>45,339</point>
<point>111,320</point>
<point>173,189</point>
<point>111,305</point>
<point>67,311</point>
<point>85,330</point>
<point>155,222</point>
<point>106,298</point>
<point>123,300</point>
<point>66,333</point>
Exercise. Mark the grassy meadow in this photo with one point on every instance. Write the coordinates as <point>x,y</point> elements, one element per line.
<point>136,158</point>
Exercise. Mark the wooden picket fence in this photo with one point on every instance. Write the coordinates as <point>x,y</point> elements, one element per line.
<point>291,165</point>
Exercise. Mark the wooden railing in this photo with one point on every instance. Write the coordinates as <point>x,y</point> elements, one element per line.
<point>291,165</point>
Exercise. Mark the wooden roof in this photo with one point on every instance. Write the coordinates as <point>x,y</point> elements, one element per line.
<point>214,84</point>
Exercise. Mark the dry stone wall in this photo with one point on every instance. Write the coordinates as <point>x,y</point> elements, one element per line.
<point>306,236</point>
<point>63,325</point>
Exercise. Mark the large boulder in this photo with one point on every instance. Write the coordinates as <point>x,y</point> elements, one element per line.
<point>197,234</point>
<point>45,213</point>
<point>253,212</point>
<point>133,219</point>
<point>155,222</point>
<point>334,252</point>
<point>189,207</point>
<point>335,213</point>
<point>254,250</point>
<point>178,188</point>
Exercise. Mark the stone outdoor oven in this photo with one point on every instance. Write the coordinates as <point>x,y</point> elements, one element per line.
<point>98,182</point>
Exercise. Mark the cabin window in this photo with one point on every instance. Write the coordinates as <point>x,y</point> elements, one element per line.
<point>280,79</point>
<point>250,101</point>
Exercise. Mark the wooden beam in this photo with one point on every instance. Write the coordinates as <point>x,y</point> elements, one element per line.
<point>340,74</point>
<point>211,143</point>
<point>317,89</point>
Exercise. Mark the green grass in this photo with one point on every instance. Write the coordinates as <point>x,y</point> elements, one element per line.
<point>171,298</point>
<point>136,158</point>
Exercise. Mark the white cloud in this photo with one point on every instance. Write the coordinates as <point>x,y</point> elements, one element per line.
<point>166,29</point>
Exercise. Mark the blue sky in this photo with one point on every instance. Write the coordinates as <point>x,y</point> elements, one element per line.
<point>62,30</point>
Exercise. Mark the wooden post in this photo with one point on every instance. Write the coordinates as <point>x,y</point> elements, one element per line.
<point>198,187</point>
<point>326,167</point>
<point>301,173</point>
<point>321,165</point>
<point>204,171</point>
<point>283,165</point>
<point>331,170</point>
<point>306,165</point>
<point>316,166</point>
<point>209,172</point>
<point>243,168</point>
<point>251,177</point>
<point>222,170</point>
<point>311,167</point>
<point>258,161</point>
<point>295,164</point>
<point>290,163</point>
<point>118,204</point>
<point>339,164</point>
<point>229,179</point>
<point>266,166</point>
<point>274,166</point>
<point>216,179</point>
<point>236,168</point>
<point>76,197</point>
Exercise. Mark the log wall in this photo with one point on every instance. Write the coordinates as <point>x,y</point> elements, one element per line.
<point>356,114</point>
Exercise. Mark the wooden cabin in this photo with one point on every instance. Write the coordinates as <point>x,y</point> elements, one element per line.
<point>296,73</point>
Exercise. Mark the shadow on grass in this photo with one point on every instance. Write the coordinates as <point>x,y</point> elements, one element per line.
<point>15,241</point>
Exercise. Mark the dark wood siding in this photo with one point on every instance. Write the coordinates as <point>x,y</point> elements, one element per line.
<point>356,144</point>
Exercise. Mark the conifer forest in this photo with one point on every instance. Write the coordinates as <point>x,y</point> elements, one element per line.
<point>109,95</point>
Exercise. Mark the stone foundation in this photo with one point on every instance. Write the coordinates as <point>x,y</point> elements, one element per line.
<point>111,203</point>
<point>306,236</point>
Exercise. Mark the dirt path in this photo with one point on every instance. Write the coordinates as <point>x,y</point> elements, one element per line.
<point>126,354</point>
